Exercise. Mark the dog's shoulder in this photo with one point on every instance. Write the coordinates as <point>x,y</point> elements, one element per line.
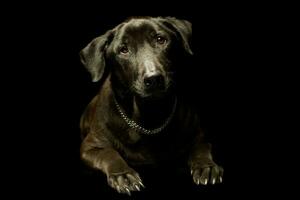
<point>100,104</point>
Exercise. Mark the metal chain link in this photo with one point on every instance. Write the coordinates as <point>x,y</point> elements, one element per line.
<point>132,124</point>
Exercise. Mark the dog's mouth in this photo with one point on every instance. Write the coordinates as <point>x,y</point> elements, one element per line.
<point>154,93</point>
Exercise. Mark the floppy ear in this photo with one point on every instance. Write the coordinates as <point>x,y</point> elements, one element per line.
<point>184,29</point>
<point>93,55</point>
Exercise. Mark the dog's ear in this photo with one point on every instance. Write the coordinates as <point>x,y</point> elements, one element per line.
<point>183,28</point>
<point>93,55</point>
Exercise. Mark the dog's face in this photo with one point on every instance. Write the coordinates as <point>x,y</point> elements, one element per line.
<point>142,53</point>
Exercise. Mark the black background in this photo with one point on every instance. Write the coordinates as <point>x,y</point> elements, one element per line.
<point>49,88</point>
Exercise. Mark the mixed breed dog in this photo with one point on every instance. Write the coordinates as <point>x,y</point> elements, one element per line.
<point>139,117</point>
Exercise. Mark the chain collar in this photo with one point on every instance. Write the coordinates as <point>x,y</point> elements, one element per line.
<point>132,124</point>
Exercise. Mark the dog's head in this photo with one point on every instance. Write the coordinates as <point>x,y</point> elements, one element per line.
<point>143,54</point>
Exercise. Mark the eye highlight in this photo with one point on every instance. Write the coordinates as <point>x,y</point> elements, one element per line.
<point>160,39</point>
<point>124,50</point>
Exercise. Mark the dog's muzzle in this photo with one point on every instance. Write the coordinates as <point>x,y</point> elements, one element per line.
<point>154,85</point>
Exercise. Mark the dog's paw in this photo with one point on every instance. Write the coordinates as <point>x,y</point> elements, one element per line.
<point>125,182</point>
<point>206,172</point>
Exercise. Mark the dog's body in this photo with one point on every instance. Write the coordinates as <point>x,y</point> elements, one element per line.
<point>139,116</point>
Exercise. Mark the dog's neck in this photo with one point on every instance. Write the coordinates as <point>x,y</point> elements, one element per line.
<point>150,113</point>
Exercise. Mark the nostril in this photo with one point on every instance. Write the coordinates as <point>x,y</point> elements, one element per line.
<point>148,81</point>
<point>160,79</point>
<point>153,81</point>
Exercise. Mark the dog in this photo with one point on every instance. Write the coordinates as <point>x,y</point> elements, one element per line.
<point>139,116</point>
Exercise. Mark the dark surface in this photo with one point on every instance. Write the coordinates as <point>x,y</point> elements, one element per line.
<point>55,88</point>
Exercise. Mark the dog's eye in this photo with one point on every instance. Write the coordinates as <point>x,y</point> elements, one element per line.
<point>124,50</point>
<point>160,39</point>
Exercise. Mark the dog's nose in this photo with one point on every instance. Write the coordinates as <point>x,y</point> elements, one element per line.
<point>154,81</point>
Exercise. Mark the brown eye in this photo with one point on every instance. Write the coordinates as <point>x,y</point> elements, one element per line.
<point>124,50</point>
<point>160,39</point>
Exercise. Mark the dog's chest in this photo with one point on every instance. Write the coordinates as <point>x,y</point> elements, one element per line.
<point>133,136</point>
<point>152,149</point>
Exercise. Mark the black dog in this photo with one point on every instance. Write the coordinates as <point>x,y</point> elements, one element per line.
<point>139,117</point>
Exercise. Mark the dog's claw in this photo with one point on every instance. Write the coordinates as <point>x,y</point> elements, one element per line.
<point>213,181</point>
<point>118,189</point>
<point>221,179</point>
<point>205,182</point>
<point>198,181</point>
<point>140,182</point>
<point>137,187</point>
<point>192,172</point>
<point>128,191</point>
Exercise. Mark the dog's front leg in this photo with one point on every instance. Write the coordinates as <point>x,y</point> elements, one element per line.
<point>99,154</point>
<point>203,169</point>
